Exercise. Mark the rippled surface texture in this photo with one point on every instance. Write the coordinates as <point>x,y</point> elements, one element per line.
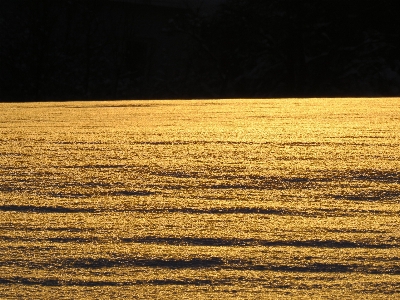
<point>239,199</point>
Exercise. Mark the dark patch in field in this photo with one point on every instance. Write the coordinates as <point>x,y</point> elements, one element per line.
<point>96,263</point>
<point>241,210</point>
<point>93,283</point>
<point>44,209</point>
<point>193,241</point>
<point>315,268</point>
<point>375,175</point>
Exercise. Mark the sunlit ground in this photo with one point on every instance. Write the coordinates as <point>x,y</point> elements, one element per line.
<point>206,199</point>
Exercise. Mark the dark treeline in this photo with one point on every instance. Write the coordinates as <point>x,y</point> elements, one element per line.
<point>77,49</point>
<point>308,48</point>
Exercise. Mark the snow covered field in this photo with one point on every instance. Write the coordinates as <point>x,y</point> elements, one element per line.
<point>212,199</point>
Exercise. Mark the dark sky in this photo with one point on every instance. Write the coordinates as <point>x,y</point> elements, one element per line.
<point>74,49</point>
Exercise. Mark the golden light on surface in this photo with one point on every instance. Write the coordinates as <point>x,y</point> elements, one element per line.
<point>216,198</point>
